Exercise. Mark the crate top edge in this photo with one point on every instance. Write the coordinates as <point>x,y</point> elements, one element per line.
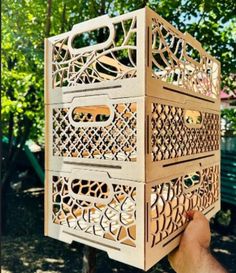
<point>113,18</point>
<point>146,11</point>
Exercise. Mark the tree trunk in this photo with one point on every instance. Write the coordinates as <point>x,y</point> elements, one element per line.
<point>89,260</point>
<point>48,18</point>
<point>142,4</point>
<point>63,18</point>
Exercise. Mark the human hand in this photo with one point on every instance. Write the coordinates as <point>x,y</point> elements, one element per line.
<point>192,255</point>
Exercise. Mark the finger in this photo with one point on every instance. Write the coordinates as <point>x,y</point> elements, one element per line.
<point>190,214</point>
<point>194,214</point>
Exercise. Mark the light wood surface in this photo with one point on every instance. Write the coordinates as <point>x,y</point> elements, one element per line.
<point>131,136</point>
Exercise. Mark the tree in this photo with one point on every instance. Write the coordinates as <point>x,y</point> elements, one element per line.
<point>22,81</point>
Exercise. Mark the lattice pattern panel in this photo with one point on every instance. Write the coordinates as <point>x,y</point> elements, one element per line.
<point>113,219</point>
<point>171,138</point>
<point>170,200</point>
<point>174,60</point>
<point>116,61</point>
<point>117,141</point>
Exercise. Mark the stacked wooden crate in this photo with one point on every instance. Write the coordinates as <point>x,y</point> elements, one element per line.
<point>132,135</point>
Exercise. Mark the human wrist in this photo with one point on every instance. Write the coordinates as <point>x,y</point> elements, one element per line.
<point>204,257</point>
<point>193,259</point>
<point>209,264</point>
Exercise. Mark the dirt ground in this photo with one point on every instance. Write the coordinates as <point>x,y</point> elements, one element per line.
<point>26,250</point>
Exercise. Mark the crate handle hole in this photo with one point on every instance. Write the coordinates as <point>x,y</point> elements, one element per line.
<point>193,118</point>
<point>96,113</point>
<point>90,38</point>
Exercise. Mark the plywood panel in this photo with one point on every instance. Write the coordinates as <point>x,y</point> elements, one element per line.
<point>132,135</point>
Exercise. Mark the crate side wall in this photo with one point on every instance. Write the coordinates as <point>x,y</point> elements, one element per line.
<point>100,68</point>
<point>115,145</point>
<point>179,64</point>
<point>181,134</point>
<point>98,211</point>
<point>170,198</point>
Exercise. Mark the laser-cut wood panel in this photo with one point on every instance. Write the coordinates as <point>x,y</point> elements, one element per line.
<point>114,144</point>
<point>179,135</point>
<point>132,135</point>
<point>98,67</point>
<point>142,55</point>
<point>139,139</point>
<point>126,217</point>
<point>173,60</point>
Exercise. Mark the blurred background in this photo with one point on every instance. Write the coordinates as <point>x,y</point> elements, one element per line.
<point>25,24</point>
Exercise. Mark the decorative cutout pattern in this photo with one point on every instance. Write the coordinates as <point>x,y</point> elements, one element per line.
<point>174,60</point>
<point>90,188</point>
<point>118,61</point>
<point>114,221</point>
<point>170,200</point>
<point>171,138</point>
<point>117,141</point>
<point>191,180</point>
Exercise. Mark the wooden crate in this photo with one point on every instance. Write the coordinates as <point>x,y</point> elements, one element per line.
<point>97,133</point>
<point>142,55</point>
<point>132,135</point>
<point>138,138</point>
<point>133,222</point>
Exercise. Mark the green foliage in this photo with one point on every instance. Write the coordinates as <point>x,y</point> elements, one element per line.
<point>224,217</point>
<point>215,27</point>
<point>22,69</point>
<point>229,115</point>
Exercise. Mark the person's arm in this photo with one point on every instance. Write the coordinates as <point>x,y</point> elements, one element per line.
<point>192,255</point>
